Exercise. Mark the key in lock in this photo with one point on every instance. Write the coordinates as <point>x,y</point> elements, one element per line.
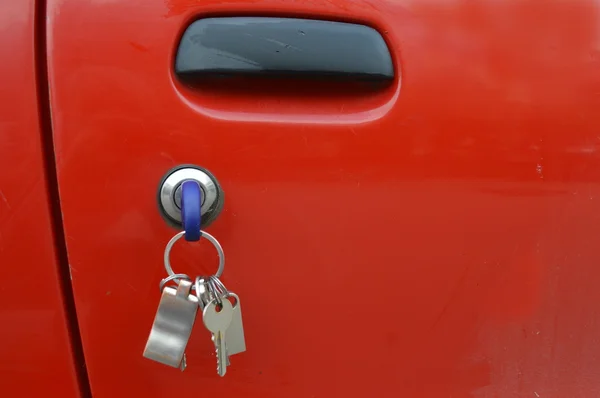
<point>172,326</point>
<point>170,192</point>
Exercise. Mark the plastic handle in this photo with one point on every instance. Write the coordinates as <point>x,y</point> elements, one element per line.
<point>191,202</point>
<point>288,47</point>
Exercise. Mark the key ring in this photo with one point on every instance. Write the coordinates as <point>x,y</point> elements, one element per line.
<point>213,287</point>
<point>219,286</point>
<point>219,290</point>
<point>174,277</point>
<point>203,234</point>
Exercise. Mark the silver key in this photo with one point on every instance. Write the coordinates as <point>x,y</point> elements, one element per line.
<point>172,326</point>
<point>205,295</point>
<point>236,342</point>
<point>217,323</point>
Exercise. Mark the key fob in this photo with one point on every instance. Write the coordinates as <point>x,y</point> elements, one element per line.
<point>172,325</point>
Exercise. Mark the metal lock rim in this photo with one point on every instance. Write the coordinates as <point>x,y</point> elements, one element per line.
<point>170,186</point>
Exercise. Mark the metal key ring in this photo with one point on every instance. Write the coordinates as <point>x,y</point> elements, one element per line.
<point>209,238</point>
<point>174,277</point>
<point>218,284</point>
<point>213,286</point>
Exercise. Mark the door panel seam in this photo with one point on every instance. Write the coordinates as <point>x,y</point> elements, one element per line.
<point>51,177</point>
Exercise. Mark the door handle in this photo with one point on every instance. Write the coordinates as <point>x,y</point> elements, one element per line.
<point>282,47</point>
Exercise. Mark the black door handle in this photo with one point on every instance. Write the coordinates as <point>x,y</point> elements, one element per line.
<point>286,47</point>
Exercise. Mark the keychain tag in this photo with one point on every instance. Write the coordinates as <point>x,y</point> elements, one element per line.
<point>234,335</point>
<point>172,325</point>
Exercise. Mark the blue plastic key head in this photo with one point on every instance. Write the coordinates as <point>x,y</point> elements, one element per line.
<point>191,202</point>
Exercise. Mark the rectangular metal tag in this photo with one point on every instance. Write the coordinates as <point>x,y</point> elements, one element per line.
<point>234,335</point>
<point>172,325</point>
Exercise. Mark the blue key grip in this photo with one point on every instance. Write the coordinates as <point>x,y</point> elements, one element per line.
<point>191,202</point>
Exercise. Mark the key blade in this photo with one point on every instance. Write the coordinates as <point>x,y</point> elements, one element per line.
<point>221,355</point>
<point>183,364</point>
<point>212,338</point>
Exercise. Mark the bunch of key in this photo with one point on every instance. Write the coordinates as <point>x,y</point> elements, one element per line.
<point>181,298</point>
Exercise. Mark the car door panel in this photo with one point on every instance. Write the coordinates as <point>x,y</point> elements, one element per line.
<point>430,237</point>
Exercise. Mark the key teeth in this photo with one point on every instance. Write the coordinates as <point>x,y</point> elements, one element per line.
<point>217,354</point>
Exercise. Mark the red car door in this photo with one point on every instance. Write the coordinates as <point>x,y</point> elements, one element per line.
<point>37,321</point>
<point>434,236</point>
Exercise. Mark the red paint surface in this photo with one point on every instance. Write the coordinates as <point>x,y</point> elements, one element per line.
<point>446,229</point>
<point>35,350</point>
